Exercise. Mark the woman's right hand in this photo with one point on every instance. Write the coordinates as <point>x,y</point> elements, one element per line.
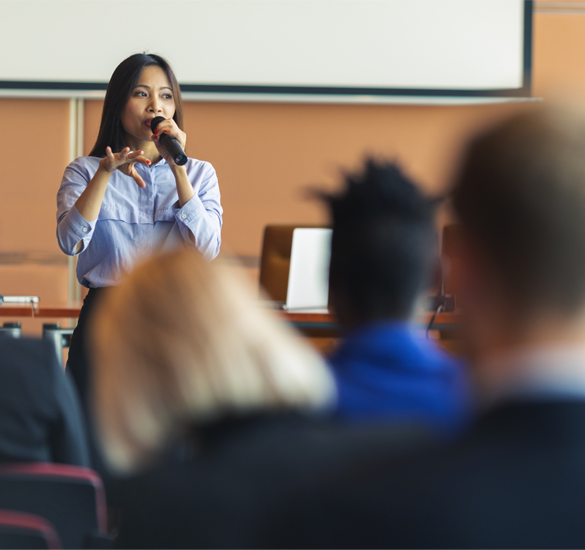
<point>125,161</point>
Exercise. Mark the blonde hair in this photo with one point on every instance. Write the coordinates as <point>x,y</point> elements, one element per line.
<point>179,341</point>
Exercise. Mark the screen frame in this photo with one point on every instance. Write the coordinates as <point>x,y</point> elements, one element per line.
<point>336,94</point>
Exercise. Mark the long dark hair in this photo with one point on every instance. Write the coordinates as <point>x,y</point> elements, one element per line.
<point>121,84</point>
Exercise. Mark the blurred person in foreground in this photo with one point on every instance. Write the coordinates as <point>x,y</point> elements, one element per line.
<point>517,478</point>
<point>383,260</point>
<point>41,418</point>
<point>183,353</point>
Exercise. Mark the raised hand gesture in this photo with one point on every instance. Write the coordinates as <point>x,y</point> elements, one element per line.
<point>125,161</point>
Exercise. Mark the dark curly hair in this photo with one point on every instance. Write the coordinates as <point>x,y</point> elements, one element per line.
<point>384,244</point>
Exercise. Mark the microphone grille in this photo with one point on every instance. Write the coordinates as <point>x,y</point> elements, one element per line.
<point>155,122</point>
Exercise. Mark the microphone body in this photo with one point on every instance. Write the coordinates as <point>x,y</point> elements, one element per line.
<point>170,143</point>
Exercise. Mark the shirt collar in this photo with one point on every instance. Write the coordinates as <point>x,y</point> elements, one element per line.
<point>161,162</point>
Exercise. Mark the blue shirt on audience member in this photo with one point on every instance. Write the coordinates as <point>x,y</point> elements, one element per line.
<point>389,371</point>
<point>135,221</point>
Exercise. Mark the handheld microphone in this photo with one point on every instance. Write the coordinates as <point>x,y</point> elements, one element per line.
<point>170,143</point>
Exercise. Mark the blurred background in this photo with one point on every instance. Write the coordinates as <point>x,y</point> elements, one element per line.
<point>265,153</point>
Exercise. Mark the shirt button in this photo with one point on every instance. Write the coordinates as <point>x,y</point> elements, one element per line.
<point>184,216</point>
<point>84,229</point>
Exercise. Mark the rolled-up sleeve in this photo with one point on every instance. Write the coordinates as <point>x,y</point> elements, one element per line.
<point>200,219</point>
<point>72,228</point>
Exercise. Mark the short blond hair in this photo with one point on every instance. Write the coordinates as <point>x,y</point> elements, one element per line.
<point>179,342</point>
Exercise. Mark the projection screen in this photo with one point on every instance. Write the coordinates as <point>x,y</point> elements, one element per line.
<point>293,50</point>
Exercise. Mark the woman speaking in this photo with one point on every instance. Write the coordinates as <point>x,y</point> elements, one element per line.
<point>128,198</point>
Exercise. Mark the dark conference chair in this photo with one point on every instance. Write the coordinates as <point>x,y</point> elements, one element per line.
<point>72,498</point>
<point>20,530</point>
<point>275,259</point>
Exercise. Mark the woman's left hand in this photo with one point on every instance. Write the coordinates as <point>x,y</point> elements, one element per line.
<point>169,127</point>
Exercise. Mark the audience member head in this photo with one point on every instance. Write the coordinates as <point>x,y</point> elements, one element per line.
<point>520,194</point>
<point>181,343</point>
<point>384,245</point>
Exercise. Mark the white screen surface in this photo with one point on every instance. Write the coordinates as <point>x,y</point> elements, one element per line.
<point>308,277</point>
<point>375,44</point>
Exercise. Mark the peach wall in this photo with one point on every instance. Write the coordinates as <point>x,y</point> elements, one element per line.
<point>559,51</point>
<point>34,145</point>
<point>265,154</point>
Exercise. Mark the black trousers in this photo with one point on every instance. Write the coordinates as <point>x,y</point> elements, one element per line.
<point>79,361</point>
<point>80,365</point>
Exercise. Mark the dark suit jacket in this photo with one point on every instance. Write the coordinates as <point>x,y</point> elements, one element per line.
<point>516,480</point>
<point>40,416</point>
<point>222,497</point>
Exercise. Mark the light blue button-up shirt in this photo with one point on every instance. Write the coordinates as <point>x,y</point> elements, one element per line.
<point>134,221</point>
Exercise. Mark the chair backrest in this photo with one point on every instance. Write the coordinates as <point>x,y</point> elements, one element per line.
<point>72,498</point>
<point>451,254</point>
<point>20,530</point>
<point>275,260</point>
